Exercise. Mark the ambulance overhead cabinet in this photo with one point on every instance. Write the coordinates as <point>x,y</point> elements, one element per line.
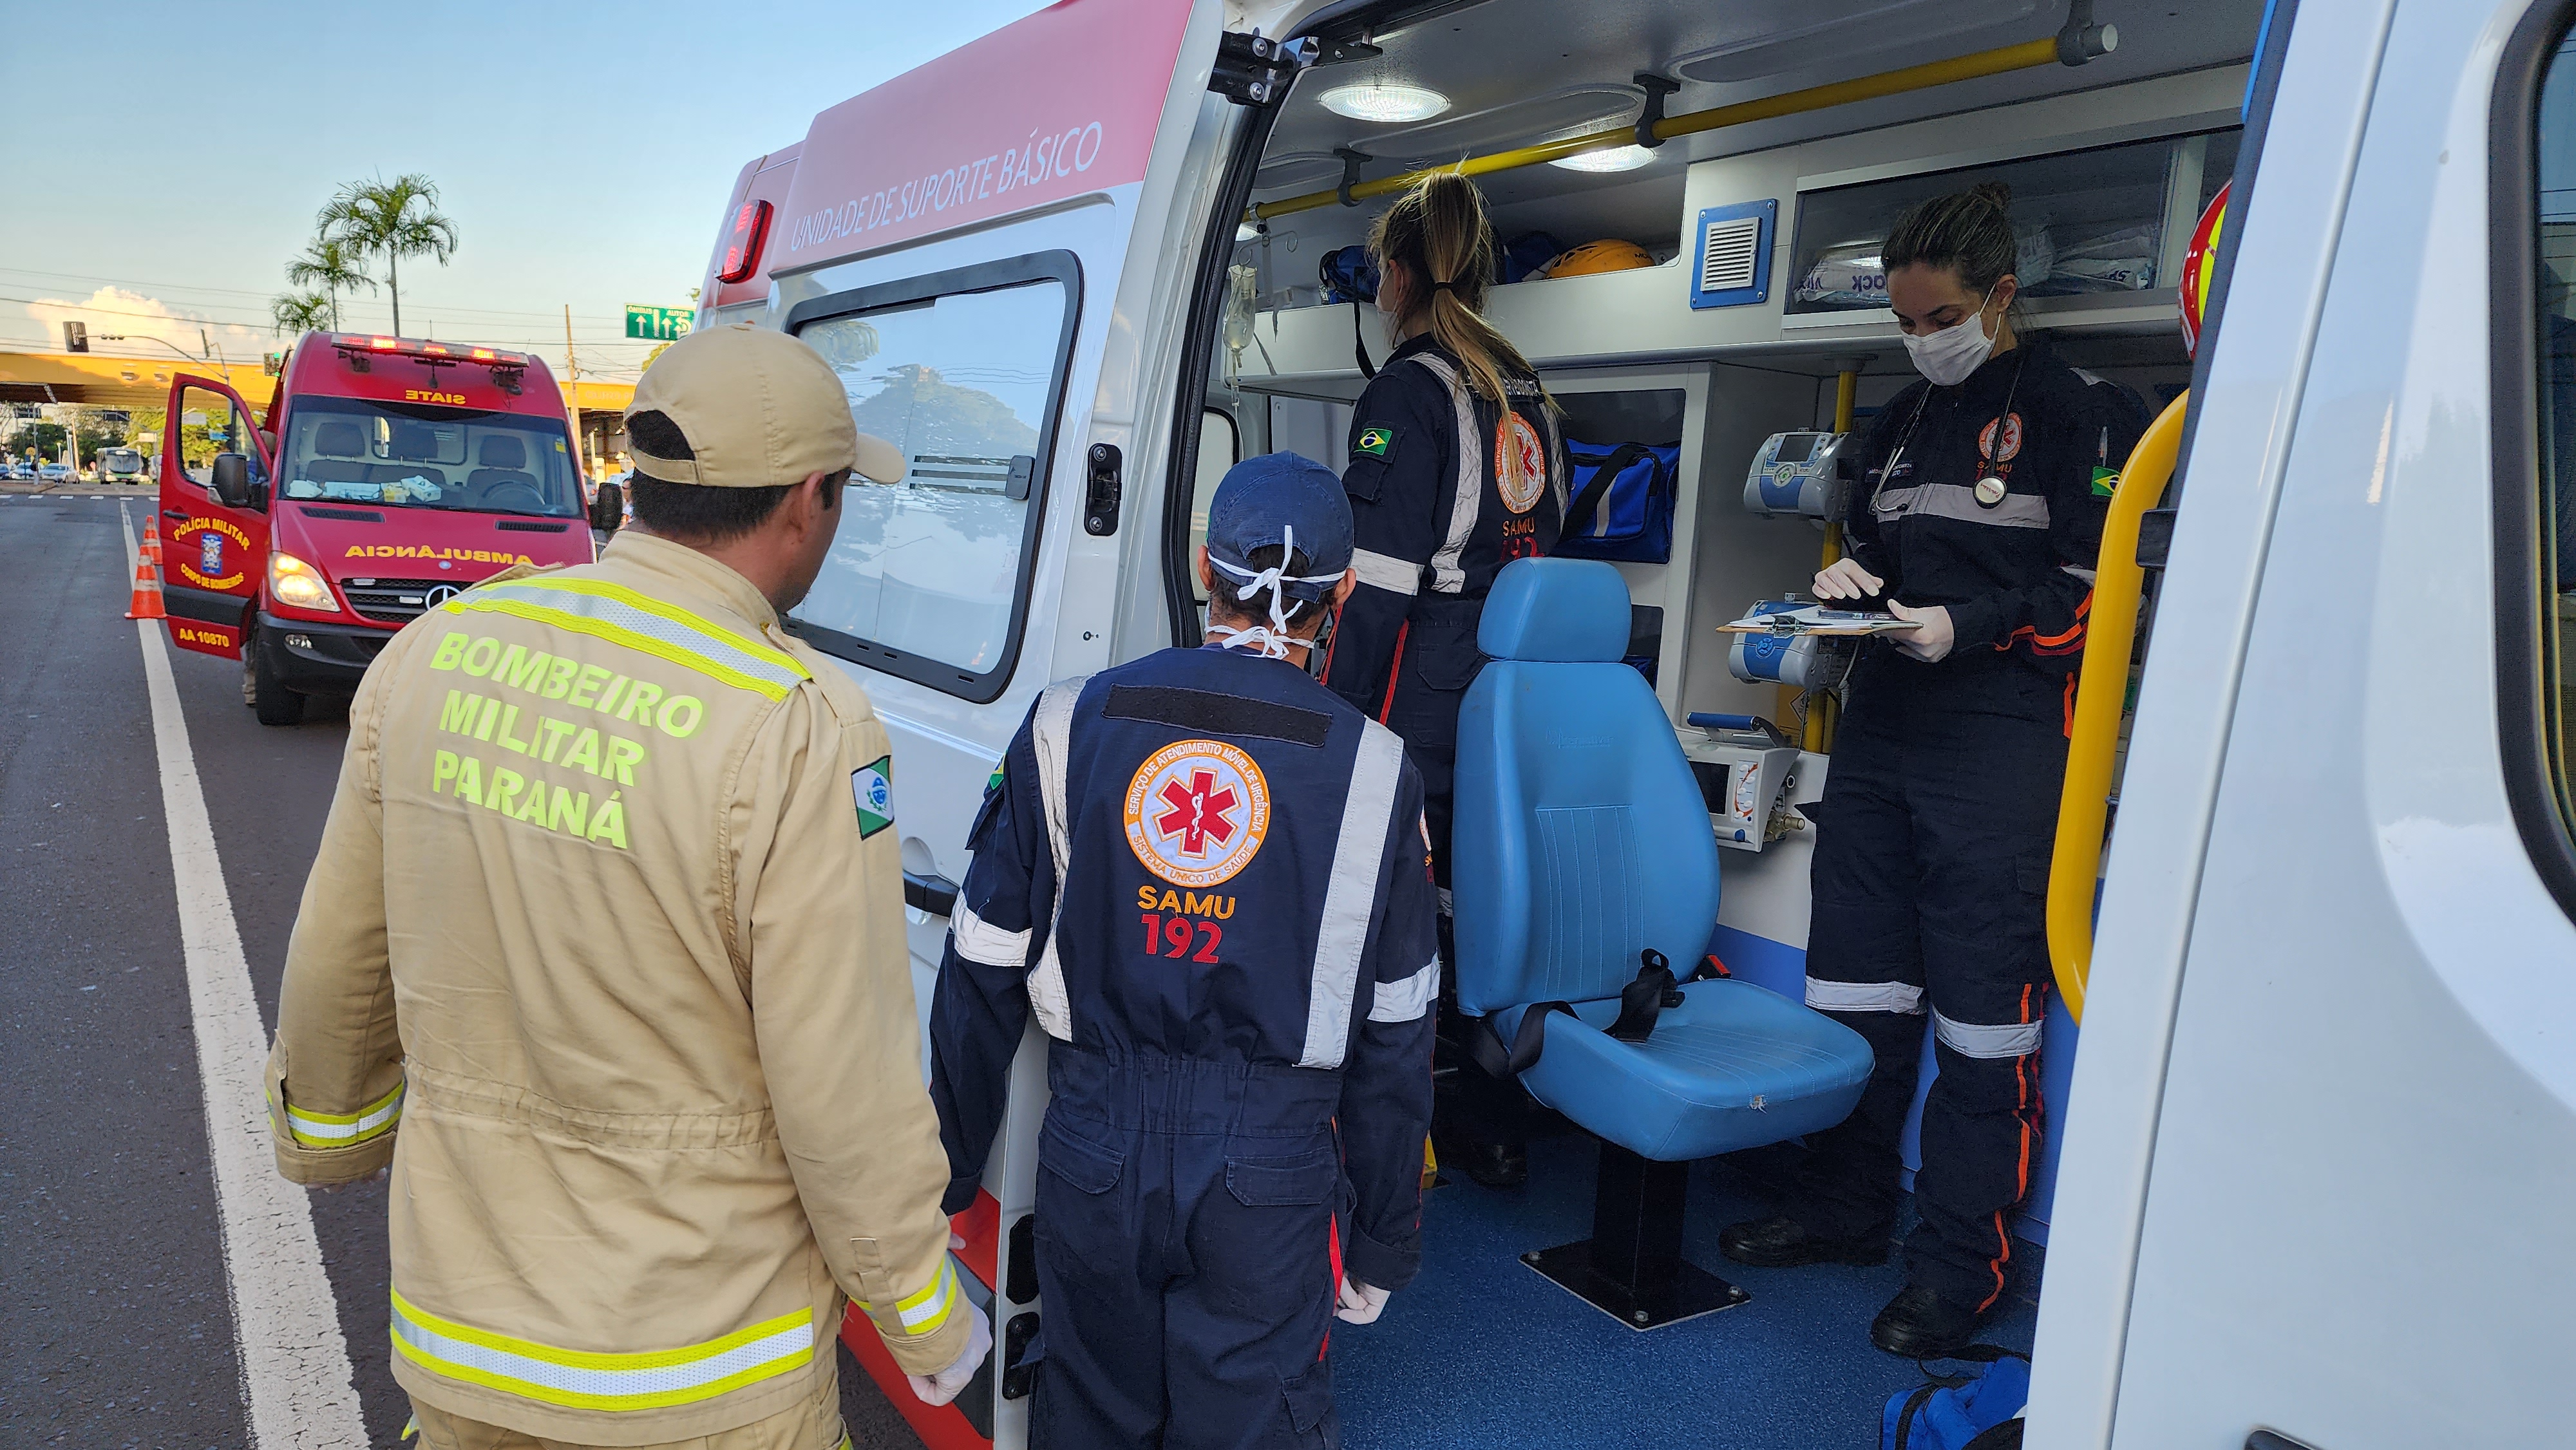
<point>2107,221</point>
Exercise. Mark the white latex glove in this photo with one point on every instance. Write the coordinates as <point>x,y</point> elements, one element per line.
<point>940,1388</point>
<point>1845,579</point>
<point>1932,636</point>
<point>1360,1303</point>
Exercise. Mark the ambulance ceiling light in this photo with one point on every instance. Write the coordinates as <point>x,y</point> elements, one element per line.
<point>1570,110</point>
<point>1384,102</point>
<point>1611,158</point>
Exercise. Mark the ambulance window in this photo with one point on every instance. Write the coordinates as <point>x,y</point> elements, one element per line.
<point>208,425</point>
<point>2545,510</point>
<point>927,576</point>
<point>1220,448</point>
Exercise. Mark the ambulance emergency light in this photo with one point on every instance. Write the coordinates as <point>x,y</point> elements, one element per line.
<point>509,369</point>
<point>1797,473</point>
<point>407,347</point>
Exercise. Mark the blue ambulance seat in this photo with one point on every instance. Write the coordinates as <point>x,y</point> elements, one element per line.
<point>1581,841</point>
<point>1735,1066</point>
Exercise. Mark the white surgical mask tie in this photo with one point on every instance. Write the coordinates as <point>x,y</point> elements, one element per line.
<point>1272,639</point>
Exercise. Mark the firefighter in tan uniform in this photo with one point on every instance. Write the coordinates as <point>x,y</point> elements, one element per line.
<point>607,919</point>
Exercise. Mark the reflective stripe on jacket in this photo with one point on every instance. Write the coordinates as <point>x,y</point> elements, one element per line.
<point>603,951</point>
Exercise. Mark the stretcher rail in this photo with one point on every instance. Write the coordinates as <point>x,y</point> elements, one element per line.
<point>2093,741</point>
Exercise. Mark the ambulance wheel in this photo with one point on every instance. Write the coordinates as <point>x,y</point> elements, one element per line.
<point>269,698</point>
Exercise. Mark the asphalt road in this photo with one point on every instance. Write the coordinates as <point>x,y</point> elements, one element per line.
<point>116,1326</point>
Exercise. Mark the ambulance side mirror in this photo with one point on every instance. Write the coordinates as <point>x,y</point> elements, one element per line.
<point>608,508</point>
<point>231,486</point>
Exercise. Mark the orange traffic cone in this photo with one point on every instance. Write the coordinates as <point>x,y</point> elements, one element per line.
<point>152,542</point>
<point>147,592</point>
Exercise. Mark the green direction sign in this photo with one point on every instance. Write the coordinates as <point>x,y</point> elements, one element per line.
<point>657,324</point>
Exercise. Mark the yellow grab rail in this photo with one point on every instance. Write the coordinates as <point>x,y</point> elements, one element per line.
<point>2094,738</point>
<point>1998,61</point>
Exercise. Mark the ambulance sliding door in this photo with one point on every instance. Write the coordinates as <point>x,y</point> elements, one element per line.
<point>2323,1135</point>
<point>983,249</point>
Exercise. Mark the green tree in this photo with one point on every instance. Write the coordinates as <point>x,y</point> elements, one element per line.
<point>331,264</point>
<point>393,220</point>
<point>45,440</point>
<point>297,313</point>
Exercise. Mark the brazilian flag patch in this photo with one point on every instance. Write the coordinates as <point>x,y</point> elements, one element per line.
<point>872,785</point>
<point>2106,482</point>
<point>1377,441</point>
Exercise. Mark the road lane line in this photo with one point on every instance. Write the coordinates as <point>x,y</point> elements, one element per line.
<point>296,1381</point>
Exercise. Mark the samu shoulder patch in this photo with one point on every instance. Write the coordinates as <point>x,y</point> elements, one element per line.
<point>872,786</point>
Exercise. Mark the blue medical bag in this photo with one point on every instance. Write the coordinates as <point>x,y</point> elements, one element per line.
<point>1347,275</point>
<point>1962,1412</point>
<point>1621,504</point>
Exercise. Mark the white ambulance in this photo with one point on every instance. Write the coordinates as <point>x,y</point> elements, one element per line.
<point>2309,1174</point>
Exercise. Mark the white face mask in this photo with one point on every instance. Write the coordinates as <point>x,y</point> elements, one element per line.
<point>1948,356</point>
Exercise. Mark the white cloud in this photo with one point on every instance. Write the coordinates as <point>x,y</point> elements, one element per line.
<point>114,310</point>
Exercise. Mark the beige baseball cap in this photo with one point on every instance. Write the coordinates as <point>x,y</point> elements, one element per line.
<point>758,408</point>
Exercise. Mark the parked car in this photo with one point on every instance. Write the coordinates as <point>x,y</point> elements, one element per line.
<point>54,473</point>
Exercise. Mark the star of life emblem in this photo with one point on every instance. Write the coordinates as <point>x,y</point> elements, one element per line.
<point>1197,811</point>
<point>1514,435</point>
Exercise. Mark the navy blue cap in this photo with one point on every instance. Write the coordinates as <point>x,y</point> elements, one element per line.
<point>1262,499</point>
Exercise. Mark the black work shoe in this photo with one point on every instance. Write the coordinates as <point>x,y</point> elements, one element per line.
<point>1495,1165</point>
<point>1920,1324</point>
<point>1783,1242</point>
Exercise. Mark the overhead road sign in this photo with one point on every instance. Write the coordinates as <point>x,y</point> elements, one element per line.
<point>656,324</point>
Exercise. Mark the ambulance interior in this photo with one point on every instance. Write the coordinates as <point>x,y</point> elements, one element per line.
<point>1762,314</point>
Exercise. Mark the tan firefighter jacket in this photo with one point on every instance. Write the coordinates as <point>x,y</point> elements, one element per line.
<point>608,921</point>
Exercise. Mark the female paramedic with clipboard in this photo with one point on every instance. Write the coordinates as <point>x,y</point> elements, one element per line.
<point>1977,518</point>
<point>1455,470</point>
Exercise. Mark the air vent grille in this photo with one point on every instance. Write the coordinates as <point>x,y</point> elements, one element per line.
<point>1730,254</point>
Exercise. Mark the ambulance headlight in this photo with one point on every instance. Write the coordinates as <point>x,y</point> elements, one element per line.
<point>292,581</point>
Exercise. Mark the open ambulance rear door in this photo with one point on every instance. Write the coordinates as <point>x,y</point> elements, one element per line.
<point>2323,1135</point>
<point>993,250</point>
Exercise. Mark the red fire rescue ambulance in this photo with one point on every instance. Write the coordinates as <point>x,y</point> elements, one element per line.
<point>385,475</point>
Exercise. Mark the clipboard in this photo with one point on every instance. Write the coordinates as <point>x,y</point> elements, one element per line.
<point>1818,620</point>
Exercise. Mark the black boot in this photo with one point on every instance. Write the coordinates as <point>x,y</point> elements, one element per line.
<point>1780,1243</point>
<point>1495,1165</point>
<point>1920,1324</point>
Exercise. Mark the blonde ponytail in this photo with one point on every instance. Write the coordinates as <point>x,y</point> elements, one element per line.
<point>1439,232</point>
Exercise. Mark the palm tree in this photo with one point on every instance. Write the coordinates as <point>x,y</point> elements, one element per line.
<point>297,313</point>
<point>334,266</point>
<point>391,219</point>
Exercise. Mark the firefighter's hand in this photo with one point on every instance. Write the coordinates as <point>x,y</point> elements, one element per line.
<point>376,1177</point>
<point>1932,636</point>
<point>1845,579</point>
<point>1360,1303</point>
<point>940,1388</point>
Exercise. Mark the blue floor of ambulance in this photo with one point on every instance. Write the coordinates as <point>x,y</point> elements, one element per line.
<point>1482,1351</point>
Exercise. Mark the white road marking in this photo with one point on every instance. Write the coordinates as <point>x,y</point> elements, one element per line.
<point>296,1383</point>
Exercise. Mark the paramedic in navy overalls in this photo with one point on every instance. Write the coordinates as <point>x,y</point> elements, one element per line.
<point>1207,876</point>
<point>1455,470</point>
<point>1978,515</point>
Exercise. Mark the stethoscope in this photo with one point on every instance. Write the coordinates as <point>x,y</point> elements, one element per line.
<point>1990,488</point>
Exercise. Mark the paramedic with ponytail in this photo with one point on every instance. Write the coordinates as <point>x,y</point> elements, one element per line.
<point>1455,470</point>
<point>1977,519</point>
<point>1206,876</point>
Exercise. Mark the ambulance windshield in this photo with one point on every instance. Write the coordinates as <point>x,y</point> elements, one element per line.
<point>415,456</point>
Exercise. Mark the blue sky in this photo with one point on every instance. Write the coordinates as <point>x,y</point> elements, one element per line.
<point>178,152</point>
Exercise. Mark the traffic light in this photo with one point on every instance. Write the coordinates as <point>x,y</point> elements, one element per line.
<point>75,337</point>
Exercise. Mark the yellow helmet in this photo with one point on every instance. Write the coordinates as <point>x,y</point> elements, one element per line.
<point>1611,255</point>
